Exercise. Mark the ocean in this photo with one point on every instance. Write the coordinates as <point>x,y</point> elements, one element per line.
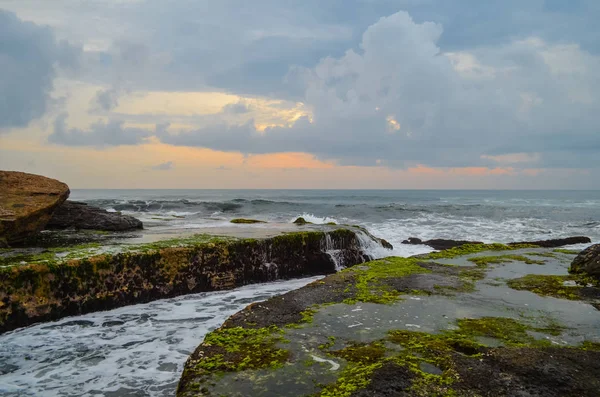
<point>139,351</point>
<point>481,215</point>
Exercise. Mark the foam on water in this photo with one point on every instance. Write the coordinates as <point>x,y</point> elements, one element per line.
<point>132,351</point>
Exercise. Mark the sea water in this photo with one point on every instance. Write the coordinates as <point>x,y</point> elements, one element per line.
<point>140,350</point>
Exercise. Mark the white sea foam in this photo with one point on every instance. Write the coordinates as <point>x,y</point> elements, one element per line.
<point>315,219</point>
<point>132,351</point>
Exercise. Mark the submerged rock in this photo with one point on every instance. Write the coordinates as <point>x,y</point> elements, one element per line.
<point>27,202</point>
<point>76,215</point>
<point>246,221</point>
<point>588,262</point>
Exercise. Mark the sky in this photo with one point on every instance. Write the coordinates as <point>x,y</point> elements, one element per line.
<point>373,94</point>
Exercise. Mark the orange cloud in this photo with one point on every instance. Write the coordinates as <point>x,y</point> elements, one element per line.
<point>287,160</point>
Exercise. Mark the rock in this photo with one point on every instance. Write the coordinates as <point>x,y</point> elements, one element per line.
<point>49,285</point>
<point>27,202</point>
<point>443,244</point>
<point>558,242</point>
<point>301,221</point>
<point>439,244</point>
<point>386,244</point>
<point>76,215</point>
<point>588,261</point>
<point>246,221</point>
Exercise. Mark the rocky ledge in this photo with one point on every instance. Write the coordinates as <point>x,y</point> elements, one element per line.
<point>81,216</point>
<point>26,204</point>
<point>475,320</point>
<point>42,284</point>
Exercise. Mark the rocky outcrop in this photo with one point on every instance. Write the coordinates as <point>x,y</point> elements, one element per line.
<point>51,288</point>
<point>405,327</point>
<point>443,244</point>
<point>588,262</point>
<point>557,242</point>
<point>76,215</point>
<point>439,244</point>
<point>26,204</point>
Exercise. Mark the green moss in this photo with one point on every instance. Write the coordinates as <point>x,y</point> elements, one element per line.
<point>542,254</point>
<point>370,286</point>
<point>239,349</point>
<point>590,346</point>
<point>566,251</point>
<point>331,224</point>
<point>546,285</point>
<point>362,353</point>
<point>483,261</point>
<point>473,249</point>
<point>437,350</point>
<point>302,221</point>
<point>329,344</point>
<point>246,221</point>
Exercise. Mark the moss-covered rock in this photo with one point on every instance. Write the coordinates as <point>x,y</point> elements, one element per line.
<point>47,286</point>
<point>404,348</point>
<point>246,221</point>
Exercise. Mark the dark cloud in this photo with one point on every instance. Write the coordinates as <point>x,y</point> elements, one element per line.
<point>399,100</point>
<point>236,108</point>
<point>100,134</point>
<point>164,166</point>
<point>29,56</point>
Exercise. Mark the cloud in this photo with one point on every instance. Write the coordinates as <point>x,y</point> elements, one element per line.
<point>399,99</point>
<point>29,57</point>
<point>164,166</point>
<point>100,134</point>
<point>240,107</point>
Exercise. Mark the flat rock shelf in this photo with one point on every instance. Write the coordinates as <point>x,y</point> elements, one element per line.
<point>65,275</point>
<point>477,320</point>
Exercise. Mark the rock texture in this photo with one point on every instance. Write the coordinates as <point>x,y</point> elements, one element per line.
<point>443,244</point>
<point>557,242</point>
<point>406,327</point>
<point>588,261</point>
<point>439,244</point>
<point>49,290</point>
<point>26,204</point>
<point>76,215</point>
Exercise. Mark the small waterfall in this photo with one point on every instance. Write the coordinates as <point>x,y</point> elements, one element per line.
<point>370,245</point>
<point>336,255</point>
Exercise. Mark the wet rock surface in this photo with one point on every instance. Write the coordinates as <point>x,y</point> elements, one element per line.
<point>27,202</point>
<point>77,215</point>
<point>42,284</point>
<point>588,262</point>
<point>443,324</point>
<point>443,244</point>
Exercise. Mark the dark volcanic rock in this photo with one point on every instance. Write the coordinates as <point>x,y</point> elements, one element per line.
<point>76,215</point>
<point>439,244</point>
<point>588,261</point>
<point>27,202</point>
<point>443,244</point>
<point>557,242</point>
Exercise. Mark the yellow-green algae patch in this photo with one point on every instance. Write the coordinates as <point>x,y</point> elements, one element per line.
<point>566,251</point>
<point>565,287</point>
<point>246,221</point>
<point>496,259</point>
<point>436,351</point>
<point>468,249</point>
<point>369,277</point>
